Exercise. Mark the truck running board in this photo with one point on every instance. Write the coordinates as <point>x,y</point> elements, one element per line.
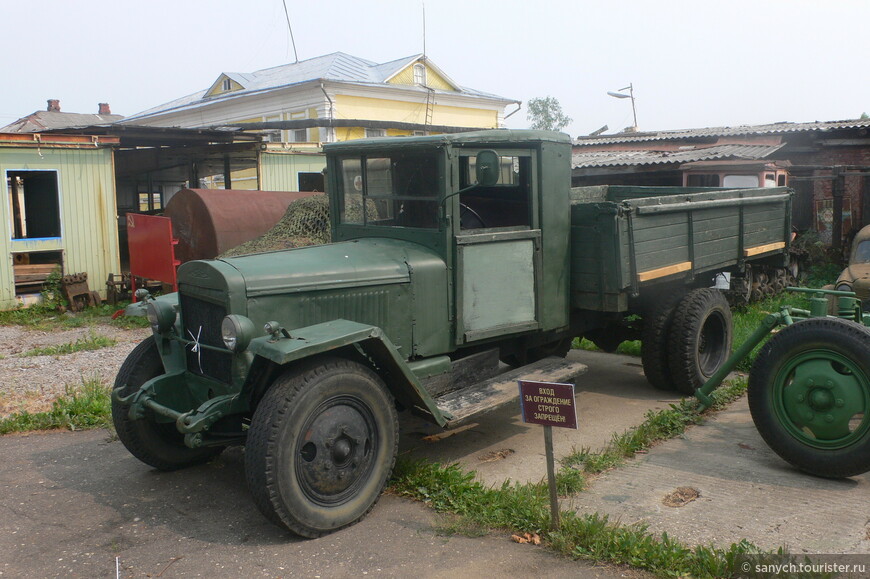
<point>503,389</point>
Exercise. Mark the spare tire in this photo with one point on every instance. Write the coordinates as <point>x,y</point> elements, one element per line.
<point>699,339</point>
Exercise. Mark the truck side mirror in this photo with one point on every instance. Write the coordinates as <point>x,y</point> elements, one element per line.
<point>487,168</point>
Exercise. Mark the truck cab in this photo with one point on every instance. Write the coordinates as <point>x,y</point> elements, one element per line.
<point>502,242</point>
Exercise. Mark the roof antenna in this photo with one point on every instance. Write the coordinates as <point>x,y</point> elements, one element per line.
<point>424,29</point>
<point>290,28</point>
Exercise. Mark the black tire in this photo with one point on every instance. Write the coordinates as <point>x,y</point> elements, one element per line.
<point>156,444</point>
<point>809,395</point>
<point>654,341</point>
<point>699,339</point>
<point>321,446</point>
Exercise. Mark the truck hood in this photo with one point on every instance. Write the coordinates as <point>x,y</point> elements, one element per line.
<point>357,263</point>
<point>859,276</point>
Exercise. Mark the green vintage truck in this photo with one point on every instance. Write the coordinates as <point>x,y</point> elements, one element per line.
<point>453,255</point>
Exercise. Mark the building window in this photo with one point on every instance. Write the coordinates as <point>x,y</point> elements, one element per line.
<point>702,181</point>
<point>150,200</point>
<point>370,133</point>
<point>419,74</point>
<point>34,204</point>
<point>311,182</point>
<point>227,84</point>
<point>300,135</point>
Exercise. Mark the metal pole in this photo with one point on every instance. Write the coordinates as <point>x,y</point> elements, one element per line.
<point>633,110</point>
<point>839,190</point>
<point>551,476</point>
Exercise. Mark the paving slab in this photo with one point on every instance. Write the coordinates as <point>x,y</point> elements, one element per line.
<point>746,491</point>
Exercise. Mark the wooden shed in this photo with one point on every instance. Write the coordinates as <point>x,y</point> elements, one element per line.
<point>59,211</point>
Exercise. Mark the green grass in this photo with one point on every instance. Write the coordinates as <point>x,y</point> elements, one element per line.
<point>628,348</point>
<point>82,407</point>
<point>92,342</point>
<point>525,507</point>
<point>47,319</point>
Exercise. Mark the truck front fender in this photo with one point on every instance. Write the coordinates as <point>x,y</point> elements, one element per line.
<point>370,341</point>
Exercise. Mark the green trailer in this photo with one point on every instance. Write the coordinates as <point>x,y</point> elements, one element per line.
<point>453,255</point>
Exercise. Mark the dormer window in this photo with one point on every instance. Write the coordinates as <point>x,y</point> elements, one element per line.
<point>419,74</point>
<point>227,85</point>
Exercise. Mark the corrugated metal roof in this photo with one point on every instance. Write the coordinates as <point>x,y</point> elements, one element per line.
<point>336,67</point>
<point>586,159</point>
<point>48,120</point>
<point>773,128</point>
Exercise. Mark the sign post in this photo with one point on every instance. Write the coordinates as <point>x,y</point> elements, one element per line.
<point>549,404</point>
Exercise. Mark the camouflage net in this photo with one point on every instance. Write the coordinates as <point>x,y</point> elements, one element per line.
<point>306,222</point>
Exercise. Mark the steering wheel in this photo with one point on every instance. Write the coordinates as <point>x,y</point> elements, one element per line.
<point>469,218</point>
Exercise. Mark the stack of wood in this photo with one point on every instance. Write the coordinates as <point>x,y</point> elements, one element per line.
<point>30,277</point>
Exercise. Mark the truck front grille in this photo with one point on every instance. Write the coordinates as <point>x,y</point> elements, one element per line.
<point>202,321</point>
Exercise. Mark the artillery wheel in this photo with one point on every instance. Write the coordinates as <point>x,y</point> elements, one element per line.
<point>654,341</point>
<point>321,446</point>
<point>699,339</point>
<point>809,394</point>
<point>156,444</point>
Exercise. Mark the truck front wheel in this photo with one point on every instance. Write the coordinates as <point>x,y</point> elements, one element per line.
<point>699,338</point>
<point>156,444</point>
<point>321,446</point>
<point>809,394</point>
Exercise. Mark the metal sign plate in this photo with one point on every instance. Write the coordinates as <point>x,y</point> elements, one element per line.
<point>548,403</point>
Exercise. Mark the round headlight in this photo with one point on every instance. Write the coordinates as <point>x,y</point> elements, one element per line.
<point>844,287</point>
<point>237,332</point>
<point>161,315</point>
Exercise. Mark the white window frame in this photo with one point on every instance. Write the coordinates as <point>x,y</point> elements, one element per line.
<point>420,74</point>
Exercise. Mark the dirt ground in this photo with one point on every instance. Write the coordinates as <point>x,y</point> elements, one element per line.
<point>32,382</point>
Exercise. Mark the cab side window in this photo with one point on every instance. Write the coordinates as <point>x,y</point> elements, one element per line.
<point>505,204</point>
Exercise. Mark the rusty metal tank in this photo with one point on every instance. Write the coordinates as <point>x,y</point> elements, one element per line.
<point>208,222</point>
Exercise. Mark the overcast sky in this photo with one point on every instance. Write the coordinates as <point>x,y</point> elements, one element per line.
<point>693,63</point>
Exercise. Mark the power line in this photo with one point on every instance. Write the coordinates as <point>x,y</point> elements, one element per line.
<point>290,28</point>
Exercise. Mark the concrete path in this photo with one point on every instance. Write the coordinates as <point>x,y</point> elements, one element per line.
<point>612,396</point>
<point>73,502</point>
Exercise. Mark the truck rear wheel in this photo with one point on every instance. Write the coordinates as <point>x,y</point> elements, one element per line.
<point>321,446</point>
<point>699,339</point>
<point>156,444</point>
<point>809,394</point>
<point>654,341</point>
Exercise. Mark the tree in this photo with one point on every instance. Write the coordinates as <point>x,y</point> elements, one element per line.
<point>545,113</point>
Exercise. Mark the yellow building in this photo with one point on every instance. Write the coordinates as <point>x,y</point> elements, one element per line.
<point>331,98</point>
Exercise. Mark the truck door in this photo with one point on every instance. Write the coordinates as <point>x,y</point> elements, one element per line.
<point>497,248</point>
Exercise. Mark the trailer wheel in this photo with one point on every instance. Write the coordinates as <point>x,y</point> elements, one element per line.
<point>321,446</point>
<point>699,339</point>
<point>809,394</point>
<point>654,341</point>
<point>156,444</point>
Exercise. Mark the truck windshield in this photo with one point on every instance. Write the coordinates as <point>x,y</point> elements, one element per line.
<point>862,252</point>
<point>390,190</point>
